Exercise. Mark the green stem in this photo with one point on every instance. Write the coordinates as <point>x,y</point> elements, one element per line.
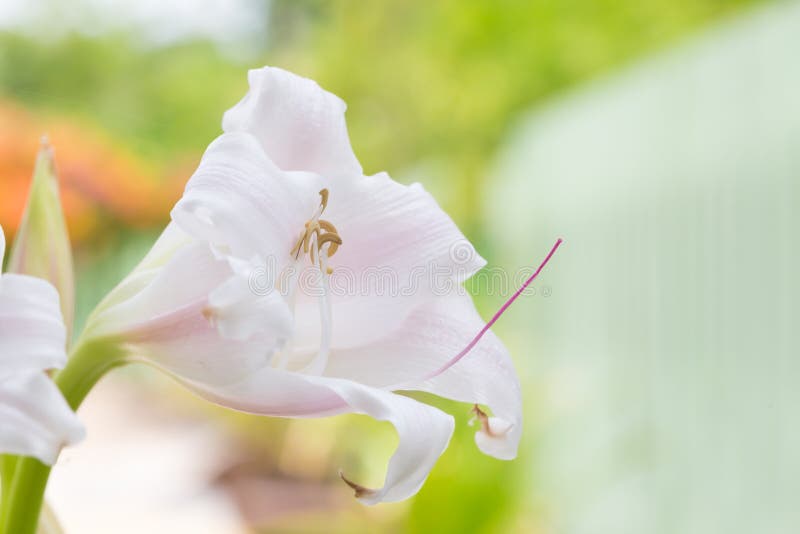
<point>8,464</point>
<point>23,504</point>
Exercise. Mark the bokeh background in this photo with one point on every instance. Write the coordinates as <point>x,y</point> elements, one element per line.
<point>660,138</point>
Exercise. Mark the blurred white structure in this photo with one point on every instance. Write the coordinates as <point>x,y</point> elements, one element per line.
<point>668,353</point>
<point>143,467</point>
<point>235,26</point>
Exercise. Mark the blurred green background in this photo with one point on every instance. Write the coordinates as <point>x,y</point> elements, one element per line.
<point>435,91</point>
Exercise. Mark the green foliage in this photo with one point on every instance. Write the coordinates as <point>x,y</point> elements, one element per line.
<point>158,101</point>
<point>444,81</point>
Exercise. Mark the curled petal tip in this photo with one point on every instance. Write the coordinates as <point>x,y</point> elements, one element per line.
<point>360,491</point>
<point>494,437</point>
<point>486,426</point>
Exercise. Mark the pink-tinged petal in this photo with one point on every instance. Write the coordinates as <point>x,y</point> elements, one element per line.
<point>171,240</point>
<point>240,312</point>
<point>186,279</point>
<point>2,247</point>
<point>400,249</point>
<point>188,346</point>
<point>166,323</point>
<point>35,420</point>
<point>424,431</point>
<point>32,332</point>
<point>245,206</point>
<point>428,338</point>
<point>300,125</point>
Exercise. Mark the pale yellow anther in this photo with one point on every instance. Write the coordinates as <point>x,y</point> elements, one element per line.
<point>325,225</point>
<point>325,233</point>
<point>331,238</point>
<point>483,419</point>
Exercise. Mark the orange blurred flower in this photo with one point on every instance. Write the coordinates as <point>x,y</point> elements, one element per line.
<point>102,184</point>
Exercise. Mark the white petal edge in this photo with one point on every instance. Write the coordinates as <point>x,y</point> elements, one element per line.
<point>164,322</point>
<point>431,335</point>
<point>32,331</point>
<point>171,240</point>
<point>35,420</point>
<point>300,125</point>
<point>243,205</point>
<point>424,431</point>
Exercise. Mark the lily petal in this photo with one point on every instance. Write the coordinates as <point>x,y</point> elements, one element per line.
<point>244,205</point>
<point>424,431</point>
<point>428,338</point>
<point>400,249</point>
<point>32,332</point>
<point>240,313</point>
<point>171,240</point>
<point>164,322</point>
<point>35,420</point>
<point>300,125</point>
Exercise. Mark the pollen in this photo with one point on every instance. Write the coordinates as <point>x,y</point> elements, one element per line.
<point>316,234</point>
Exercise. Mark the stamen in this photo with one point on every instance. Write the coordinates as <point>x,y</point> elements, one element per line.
<point>324,231</point>
<point>316,234</point>
<point>332,238</point>
<point>280,358</point>
<point>483,419</point>
<point>496,316</point>
<point>296,249</point>
<point>327,226</point>
<point>360,490</point>
<point>320,361</point>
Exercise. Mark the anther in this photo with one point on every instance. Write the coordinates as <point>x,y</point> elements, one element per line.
<point>359,490</point>
<point>327,226</point>
<point>483,419</point>
<point>333,239</point>
<point>324,231</point>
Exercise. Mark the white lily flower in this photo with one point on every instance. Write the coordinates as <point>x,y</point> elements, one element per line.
<point>219,303</point>
<point>35,420</point>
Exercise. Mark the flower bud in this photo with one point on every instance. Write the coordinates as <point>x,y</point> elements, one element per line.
<point>42,246</point>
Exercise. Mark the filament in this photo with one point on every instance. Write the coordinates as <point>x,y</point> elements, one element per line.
<point>320,361</point>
